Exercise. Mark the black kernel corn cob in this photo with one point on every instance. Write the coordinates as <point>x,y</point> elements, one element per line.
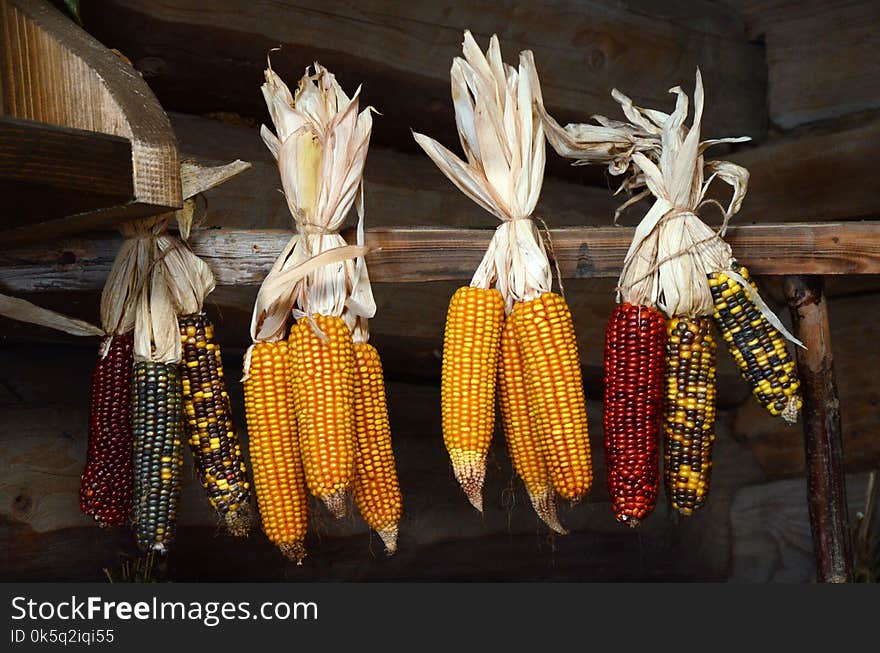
<point>689,414</point>
<point>106,487</point>
<point>157,424</point>
<point>211,433</point>
<point>757,347</point>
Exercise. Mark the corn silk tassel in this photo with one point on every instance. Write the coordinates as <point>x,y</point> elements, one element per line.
<point>320,144</point>
<point>679,265</point>
<point>502,171</point>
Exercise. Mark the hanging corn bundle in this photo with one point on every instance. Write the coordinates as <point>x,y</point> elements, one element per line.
<point>679,265</point>
<point>123,393</point>
<point>174,281</point>
<point>536,360</point>
<point>300,394</point>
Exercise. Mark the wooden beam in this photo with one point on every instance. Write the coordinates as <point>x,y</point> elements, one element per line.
<point>408,189</point>
<point>415,255</point>
<point>400,188</point>
<point>402,55</point>
<point>55,73</point>
<point>821,56</point>
<point>826,484</point>
<point>49,172</point>
<point>813,174</point>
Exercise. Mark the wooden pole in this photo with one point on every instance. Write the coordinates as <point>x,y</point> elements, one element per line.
<point>826,483</point>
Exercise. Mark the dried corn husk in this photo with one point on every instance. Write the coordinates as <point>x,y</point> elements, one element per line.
<point>503,170</point>
<point>320,144</point>
<point>673,251</point>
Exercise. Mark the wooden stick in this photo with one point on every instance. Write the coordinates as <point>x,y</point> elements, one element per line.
<point>414,255</point>
<point>826,484</point>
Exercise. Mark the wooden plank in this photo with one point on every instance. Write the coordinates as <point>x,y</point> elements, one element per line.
<point>415,255</point>
<point>402,56</point>
<point>821,56</point>
<point>48,171</point>
<point>813,174</point>
<point>826,484</point>
<point>794,178</point>
<point>770,524</point>
<point>401,188</point>
<point>53,72</point>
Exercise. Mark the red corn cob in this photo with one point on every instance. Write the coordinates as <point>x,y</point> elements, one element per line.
<point>635,350</point>
<point>107,480</point>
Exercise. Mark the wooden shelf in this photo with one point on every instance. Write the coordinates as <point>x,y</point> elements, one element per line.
<point>84,143</point>
<point>412,255</point>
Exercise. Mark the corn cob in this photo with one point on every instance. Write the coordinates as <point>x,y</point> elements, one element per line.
<point>758,349</point>
<point>471,345</point>
<point>376,488</point>
<point>522,440</point>
<point>323,374</point>
<point>107,480</point>
<point>689,419</point>
<point>279,480</point>
<point>554,388</point>
<point>157,425</point>
<point>635,351</point>
<point>211,433</point>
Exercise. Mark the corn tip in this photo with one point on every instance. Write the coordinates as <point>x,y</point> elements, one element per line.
<point>337,503</point>
<point>544,503</point>
<point>469,468</point>
<point>295,551</point>
<point>388,536</point>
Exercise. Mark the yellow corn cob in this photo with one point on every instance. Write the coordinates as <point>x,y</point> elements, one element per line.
<point>554,388</point>
<point>376,489</point>
<point>323,373</point>
<point>274,449</point>
<point>522,441</point>
<point>471,346</point>
<point>689,415</point>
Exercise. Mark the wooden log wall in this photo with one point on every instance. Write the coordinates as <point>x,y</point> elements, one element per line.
<point>797,77</point>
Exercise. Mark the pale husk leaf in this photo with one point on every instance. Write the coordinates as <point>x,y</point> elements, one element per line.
<point>24,311</point>
<point>320,143</point>
<point>502,139</point>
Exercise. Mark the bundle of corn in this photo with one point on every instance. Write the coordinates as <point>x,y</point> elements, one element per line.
<point>679,265</point>
<point>304,417</point>
<point>174,281</point>
<point>536,361</point>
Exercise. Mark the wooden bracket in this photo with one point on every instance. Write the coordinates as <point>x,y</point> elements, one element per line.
<point>55,74</point>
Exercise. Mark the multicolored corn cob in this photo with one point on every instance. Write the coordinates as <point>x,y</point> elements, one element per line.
<point>546,341</point>
<point>279,479</point>
<point>323,392</point>
<point>757,347</point>
<point>157,425</point>
<point>376,488</point>
<point>212,437</point>
<point>689,417</point>
<point>471,346</point>
<point>522,440</point>
<point>635,353</point>
<point>107,483</point>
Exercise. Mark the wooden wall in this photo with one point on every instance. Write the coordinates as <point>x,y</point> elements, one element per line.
<point>797,76</point>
